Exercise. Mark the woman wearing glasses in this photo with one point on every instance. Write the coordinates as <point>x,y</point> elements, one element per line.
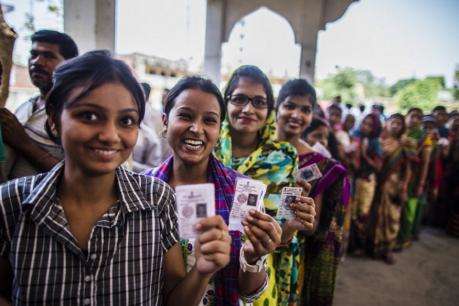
<point>248,144</point>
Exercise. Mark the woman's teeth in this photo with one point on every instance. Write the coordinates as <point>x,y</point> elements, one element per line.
<point>105,153</point>
<point>193,145</point>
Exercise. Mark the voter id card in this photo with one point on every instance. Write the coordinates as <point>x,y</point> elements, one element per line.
<point>249,194</point>
<point>309,173</point>
<point>194,202</point>
<point>288,197</point>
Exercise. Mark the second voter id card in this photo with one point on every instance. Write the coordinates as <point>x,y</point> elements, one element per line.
<point>288,197</point>
<point>249,194</point>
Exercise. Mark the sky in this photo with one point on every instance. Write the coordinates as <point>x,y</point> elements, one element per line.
<point>393,39</point>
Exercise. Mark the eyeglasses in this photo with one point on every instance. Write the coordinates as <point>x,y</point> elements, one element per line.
<point>242,100</point>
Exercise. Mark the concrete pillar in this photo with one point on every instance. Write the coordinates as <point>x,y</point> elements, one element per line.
<point>308,61</point>
<point>91,23</point>
<point>214,40</point>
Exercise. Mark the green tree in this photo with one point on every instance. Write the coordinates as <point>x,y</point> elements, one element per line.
<point>372,86</point>
<point>349,82</point>
<point>421,93</point>
<point>399,85</point>
<point>341,83</point>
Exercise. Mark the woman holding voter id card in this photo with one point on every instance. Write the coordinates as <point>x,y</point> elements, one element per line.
<point>318,254</point>
<point>248,144</point>
<point>89,232</point>
<point>211,194</point>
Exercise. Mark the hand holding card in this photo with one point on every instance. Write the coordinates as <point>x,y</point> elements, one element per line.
<point>213,245</point>
<point>304,213</point>
<point>263,233</point>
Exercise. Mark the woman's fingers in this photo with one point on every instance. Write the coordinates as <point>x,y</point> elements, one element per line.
<point>211,222</point>
<point>304,217</point>
<point>216,246</point>
<point>266,226</point>
<point>211,234</point>
<point>305,185</point>
<point>257,244</point>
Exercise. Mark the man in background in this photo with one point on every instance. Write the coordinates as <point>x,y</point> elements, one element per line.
<point>30,149</point>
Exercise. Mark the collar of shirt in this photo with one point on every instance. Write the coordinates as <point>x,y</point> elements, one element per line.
<point>43,197</point>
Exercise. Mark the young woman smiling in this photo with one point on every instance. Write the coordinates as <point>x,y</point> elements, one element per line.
<point>318,254</point>
<point>90,232</point>
<point>194,110</point>
<point>248,144</point>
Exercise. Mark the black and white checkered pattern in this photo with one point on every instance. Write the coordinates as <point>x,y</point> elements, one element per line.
<point>124,262</point>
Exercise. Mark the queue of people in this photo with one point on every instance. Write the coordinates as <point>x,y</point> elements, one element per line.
<point>404,174</point>
<point>82,228</point>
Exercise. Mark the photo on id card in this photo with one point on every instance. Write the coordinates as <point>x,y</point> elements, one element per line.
<point>288,197</point>
<point>248,195</point>
<point>194,202</point>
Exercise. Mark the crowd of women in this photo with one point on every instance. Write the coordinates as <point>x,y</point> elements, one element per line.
<point>91,232</point>
<point>404,173</point>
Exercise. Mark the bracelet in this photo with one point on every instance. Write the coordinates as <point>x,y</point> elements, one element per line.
<point>259,266</point>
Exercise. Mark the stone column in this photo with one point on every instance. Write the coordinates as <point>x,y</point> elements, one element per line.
<point>308,61</point>
<point>214,40</point>
<point>91,23</point>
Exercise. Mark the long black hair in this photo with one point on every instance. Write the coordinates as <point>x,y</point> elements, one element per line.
<point>89,71</point>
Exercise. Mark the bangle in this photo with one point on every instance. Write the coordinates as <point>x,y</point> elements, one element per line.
<point>258,266</point>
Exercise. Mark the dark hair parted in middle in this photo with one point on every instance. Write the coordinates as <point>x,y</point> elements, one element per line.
<point>194,82</point>
<point>299,88</point>
<point>256,75</point>
<point>89,71</point>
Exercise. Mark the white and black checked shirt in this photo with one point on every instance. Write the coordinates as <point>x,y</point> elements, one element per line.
<point>124,262</point>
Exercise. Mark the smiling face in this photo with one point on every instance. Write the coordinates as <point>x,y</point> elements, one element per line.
<point>294,115</point>
<point>247,119</point>
<point>99,131</point>
<point>193,126</point>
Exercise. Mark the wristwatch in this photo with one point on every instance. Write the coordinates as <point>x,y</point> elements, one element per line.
<point>258,266</point>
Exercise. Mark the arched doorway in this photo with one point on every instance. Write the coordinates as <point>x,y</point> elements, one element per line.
<point>305,17</point>
<point>265,39</point>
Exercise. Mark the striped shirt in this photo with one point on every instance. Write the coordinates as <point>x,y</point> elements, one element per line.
<point>124,260</point>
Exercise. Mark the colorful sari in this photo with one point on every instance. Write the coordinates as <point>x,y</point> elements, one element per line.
<point>318,255</point>
<point>387,205</point>
<point>223,288</point>
<point>273,163</point>
<point>364,191</point>
<point>417,147</point>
